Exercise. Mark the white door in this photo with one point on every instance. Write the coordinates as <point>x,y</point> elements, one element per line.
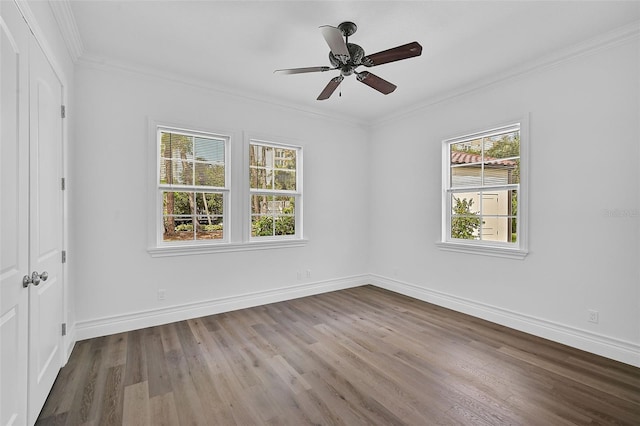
<point>14,214</point>
<point>45,228</point>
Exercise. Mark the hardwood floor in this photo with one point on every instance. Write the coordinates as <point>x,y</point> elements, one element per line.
<point>350,357</point>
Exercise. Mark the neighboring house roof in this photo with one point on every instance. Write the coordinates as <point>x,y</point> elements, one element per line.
<point>460,157</point>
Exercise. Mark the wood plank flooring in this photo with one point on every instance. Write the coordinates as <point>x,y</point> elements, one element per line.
<point>362,356</point>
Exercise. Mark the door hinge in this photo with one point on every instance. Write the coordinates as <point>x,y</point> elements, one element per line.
<point>63,111</point>
<point>64,256</point>
<point>64,328</point>
<point>63,183</point>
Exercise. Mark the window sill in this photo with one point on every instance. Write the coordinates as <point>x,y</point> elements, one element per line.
<point>188,250</point>
<point>484,250</point>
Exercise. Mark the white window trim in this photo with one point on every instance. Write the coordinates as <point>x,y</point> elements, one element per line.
<point>298,193</point>
<point>518,250</point>
<point>237,207</point>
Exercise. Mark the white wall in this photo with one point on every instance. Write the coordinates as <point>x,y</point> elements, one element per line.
<point>584,133</point>
<point>117,278</point>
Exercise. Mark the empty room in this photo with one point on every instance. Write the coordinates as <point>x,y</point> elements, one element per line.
<point>319,212</point>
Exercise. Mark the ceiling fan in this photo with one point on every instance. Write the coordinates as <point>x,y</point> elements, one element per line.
<point>346,57</point>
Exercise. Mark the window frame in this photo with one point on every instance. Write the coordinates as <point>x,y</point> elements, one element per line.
<point>297,193</point>
<point>160,188</point>
<point>517,250</point>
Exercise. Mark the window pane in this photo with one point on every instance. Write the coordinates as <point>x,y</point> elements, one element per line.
<point>468,147</point>
<point>178,228</point>
<point>210,203</point>
<point>496,229</point>
<point>465,215</point>
<point>176,172</point>
<point>285,159</point>
<point>499,174</point>
<point>285,222</point>
<point>209,228</point>
<point>209,162</point>
<point>192,215</point>
<point>208,174</point>
<point>262,226</point>
<point>470,175</point>
<point>465,203</point>
<point>209,150</point>
<point>272,215</point>
<point>176,156</point>
<point>495,203</point>
<point>260,155</point>
<point>173,145</point>
<point>285,180</point>
<point>260,204</point>
<point>177,203</point>
<point>506,145</point>
<point>261,178</point>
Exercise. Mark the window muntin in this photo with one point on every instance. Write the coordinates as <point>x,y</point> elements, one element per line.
<point>482,186</point>
<point>192,187</point>
<point>275,190</point>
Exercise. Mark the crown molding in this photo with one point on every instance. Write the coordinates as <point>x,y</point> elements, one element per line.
<point>606,40</point>
<point>67,23</point>
<point>106,64</point>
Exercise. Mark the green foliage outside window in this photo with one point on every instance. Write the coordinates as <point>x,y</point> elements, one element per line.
<point>267,226</point>
<point>464,223</point>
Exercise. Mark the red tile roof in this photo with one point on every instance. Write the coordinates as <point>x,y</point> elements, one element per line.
<point>459,157</point>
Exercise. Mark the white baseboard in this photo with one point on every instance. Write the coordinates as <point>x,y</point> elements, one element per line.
<point>134,321</point>
<point>605,346</point>
<point>608,347</point>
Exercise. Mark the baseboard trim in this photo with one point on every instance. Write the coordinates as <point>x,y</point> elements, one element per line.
<point>608,347</point>
<point>134,321</point>
<point>605,346</point>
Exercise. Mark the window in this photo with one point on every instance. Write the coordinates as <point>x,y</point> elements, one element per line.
<point>483,200</point>
<point>193,187</point>
<point>195,209</point>
<point>275,187</point>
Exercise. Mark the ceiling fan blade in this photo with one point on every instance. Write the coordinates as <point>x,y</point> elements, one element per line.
<point>330,88</point>
<point>303,70</point>
<point>395,54</point>
<point>333,37</point>
<point>372,80</point>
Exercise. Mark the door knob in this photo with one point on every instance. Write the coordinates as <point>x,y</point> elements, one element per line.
<point>34,278</point>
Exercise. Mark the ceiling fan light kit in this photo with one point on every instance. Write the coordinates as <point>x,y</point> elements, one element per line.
<point>346,57</point>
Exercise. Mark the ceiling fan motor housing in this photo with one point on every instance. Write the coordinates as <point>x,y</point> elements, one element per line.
<point>355,52</point>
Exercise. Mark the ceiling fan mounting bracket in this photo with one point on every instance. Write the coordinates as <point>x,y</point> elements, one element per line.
<point>347,28</point>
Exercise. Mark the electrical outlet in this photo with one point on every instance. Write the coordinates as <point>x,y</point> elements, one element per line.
<point>308,273</point>
<point>299,275</point>
<point>162,294</point>
<point>593,316</point>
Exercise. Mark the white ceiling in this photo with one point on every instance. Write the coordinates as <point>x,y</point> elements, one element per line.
<point>236,45</point>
